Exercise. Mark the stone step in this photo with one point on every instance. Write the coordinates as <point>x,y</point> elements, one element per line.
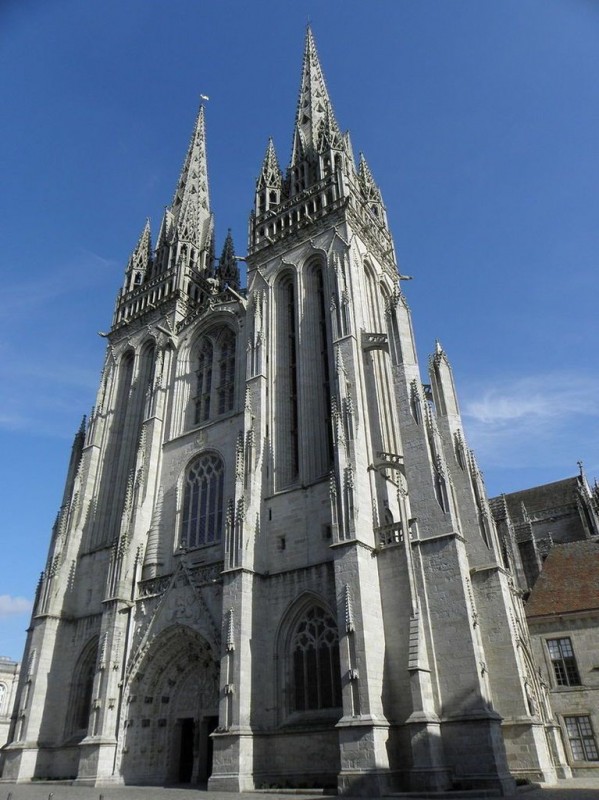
<point>457,794</point>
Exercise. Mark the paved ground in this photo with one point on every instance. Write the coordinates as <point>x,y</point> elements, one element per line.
<point>574,789</point>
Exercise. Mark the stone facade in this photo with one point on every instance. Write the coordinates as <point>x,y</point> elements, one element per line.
<point>531,521</point>
<point>563,617</point>
<point>9,677</point>
<point>275,562</point>
<point>550,539</point>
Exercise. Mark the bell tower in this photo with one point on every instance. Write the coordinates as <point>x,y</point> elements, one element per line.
<point>357,497</point>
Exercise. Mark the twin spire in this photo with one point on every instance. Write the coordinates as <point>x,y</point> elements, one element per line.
<point>191,204</point>
<point>187,229</point>
<point>314,113</point>
<point>316,136</point>
<point>315,129</point>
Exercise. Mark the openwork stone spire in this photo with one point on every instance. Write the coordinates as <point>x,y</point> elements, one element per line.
<point>191,203</point>
<point>314,106</point>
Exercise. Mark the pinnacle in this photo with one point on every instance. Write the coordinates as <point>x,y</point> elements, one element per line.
<point>228,271</point>
<point>439,354</point>
<point>142,254</point>
<point>364,170</point>
<point>371,189</point>
<point>329,135</point>
<point>166,228</point>
<point>270,174</point>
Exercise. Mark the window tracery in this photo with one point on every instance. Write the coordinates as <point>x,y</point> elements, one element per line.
<point>202,518</point>
<point>314,662</point>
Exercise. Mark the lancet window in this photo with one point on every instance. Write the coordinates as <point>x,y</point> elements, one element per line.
<point>287,406</point>
<point>202,516</point>
<point>378,369</point>
<point>215,375</point>
<point>204,381</point>
<point>316,439</point>
<point>226,375</point>
<point>82,684</point>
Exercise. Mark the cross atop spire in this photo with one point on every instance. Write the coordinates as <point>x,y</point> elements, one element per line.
<point>314,104</point>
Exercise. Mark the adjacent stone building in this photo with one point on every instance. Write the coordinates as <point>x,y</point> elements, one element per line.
<point>532,520</point>
<point>550,542</point>
<point>275,562</point>
<point>9,676</point>
<point>563,616</point>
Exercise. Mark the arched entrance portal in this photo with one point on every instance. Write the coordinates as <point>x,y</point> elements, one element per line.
<point>172,708</point>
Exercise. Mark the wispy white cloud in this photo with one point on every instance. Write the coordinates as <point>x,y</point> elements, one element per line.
<point>538,420</point>
<point>12,422</point>
<point>14,606</point>
<point>44,373</point>
<point>43,394</point>
<point>48,374</point>
<point>84,270</point>
<point>535,398</point>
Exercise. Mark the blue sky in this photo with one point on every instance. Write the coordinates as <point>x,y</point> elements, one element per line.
<point>480,122</point>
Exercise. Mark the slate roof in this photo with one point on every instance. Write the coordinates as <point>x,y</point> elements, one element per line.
<point>539,498</point>
<point>569,580</point>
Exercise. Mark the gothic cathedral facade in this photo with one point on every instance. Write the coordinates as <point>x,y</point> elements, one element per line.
<point>274,563</point>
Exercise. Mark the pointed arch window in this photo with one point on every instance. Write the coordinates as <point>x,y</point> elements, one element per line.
<point>82,685</point>
<point>286,385</point>
<point>314,660</point>
<point>202,520</point>
<point>204,381</point>
<point>226,382</point>
<point>316,439</point>
<point>215,375</point>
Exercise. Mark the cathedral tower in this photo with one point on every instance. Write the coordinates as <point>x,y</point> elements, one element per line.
<point>275,562</point>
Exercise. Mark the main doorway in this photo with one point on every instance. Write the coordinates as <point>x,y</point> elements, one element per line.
<point>172,710</point>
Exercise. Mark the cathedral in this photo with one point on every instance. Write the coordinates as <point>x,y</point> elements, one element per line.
<point>275,564</point>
